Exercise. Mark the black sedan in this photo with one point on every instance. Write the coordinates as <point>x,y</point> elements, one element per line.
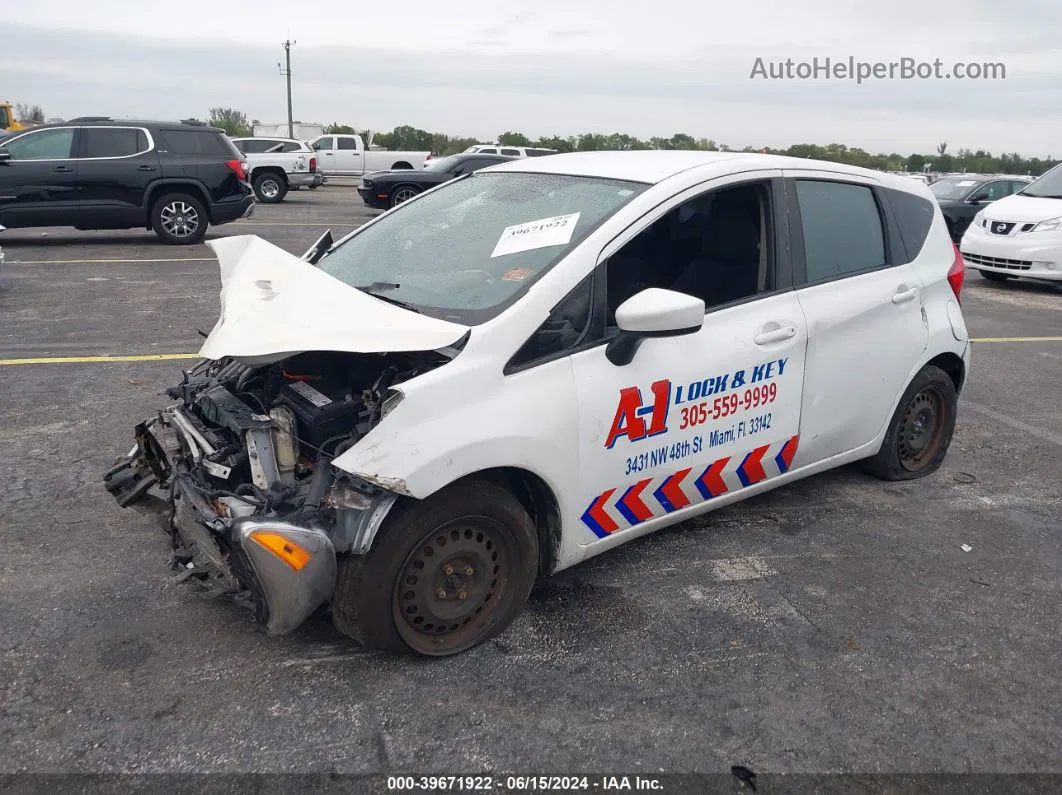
<point>962,196</point>
<point>383,189</point>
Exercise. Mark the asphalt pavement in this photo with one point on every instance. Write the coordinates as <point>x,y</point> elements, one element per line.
<point>839,624</point>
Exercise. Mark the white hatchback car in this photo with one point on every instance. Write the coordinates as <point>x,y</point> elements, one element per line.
<point>527,366</point>
<point>1019,235</point>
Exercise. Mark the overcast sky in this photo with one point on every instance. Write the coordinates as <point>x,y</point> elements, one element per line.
<point>564,67</point>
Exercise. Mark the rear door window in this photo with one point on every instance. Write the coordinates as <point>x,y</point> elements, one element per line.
<point>107,142</point>
<point>512,152</point>
<point>196,142</point>
<point>348,143</point>
<point>843,232</point>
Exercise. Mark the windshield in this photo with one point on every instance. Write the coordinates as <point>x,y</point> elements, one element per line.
<point>442,165</point>
<point>952,188</point>
<point>4,121</point>
<point>469,249</point>
<point>1047,186</point>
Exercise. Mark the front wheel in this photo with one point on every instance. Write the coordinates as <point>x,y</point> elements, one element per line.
<point>992,276</point>
<point>444,574</point>
<point>921,429</point>
<point>179,219</point>
<point>403,194</point>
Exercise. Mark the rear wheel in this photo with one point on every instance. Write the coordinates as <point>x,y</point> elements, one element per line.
<point>179,219</point>
<point>403,193</point>
<point>992,276</point>
<point>444,575</point>
<point>270,188</point>
<point>921,429</point>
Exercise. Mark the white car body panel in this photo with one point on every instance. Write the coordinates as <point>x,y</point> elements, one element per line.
<point>838,355</point>
<point>274,305</point>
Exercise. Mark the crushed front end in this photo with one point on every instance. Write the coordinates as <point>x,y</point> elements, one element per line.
<point>243,457</point>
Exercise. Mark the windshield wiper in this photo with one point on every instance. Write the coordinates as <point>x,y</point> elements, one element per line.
<point>1040,195</point>
<point>374,288</point>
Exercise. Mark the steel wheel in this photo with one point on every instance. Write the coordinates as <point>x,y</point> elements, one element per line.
<point>920,434</point>
<point>269,188</point>
<point>180,219</point>
<point>453,584</point>
<point>402,195</point>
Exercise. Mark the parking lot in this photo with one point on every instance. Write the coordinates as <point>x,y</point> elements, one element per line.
<point>838,624</point>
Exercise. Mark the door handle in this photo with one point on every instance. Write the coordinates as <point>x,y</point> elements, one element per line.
<point>775,335</point>
<point>64,169</point>
<point>145,168</point>
<point>904,294</point>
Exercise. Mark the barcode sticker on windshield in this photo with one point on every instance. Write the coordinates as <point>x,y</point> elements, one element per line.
<point>966,183</point>
<point>555,231</point>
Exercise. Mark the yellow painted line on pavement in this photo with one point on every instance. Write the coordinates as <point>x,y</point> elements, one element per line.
<point>149,357</point>
<point>1017,339</point>
<point>105,261</point>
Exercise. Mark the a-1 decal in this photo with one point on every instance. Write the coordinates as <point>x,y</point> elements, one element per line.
<point>731,392</point>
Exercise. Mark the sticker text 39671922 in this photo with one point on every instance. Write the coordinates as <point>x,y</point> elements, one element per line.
<point>728,407</point>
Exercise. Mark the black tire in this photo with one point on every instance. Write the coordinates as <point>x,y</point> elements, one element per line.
<point>921,429</point>
<point>403,193</point>
<point>992,276</point>
<point>179,219</point>
<point>444,574</point>
<point>270,188</point>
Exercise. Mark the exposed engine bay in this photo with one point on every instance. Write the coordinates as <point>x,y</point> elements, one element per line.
<point>244,458</point>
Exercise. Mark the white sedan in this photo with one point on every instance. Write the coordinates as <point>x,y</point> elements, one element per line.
<point>525,367</point>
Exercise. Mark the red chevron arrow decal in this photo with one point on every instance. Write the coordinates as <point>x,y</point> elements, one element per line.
<point>670,494</point>
<point>596,512</point>
<point>631,505</point>
<point>711,483</point>
<point>751,469</point>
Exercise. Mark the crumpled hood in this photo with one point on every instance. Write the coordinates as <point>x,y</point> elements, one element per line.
<point>1023,209</point>
<point>275,305</point>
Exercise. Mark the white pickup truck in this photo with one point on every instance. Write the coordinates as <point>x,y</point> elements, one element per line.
<point>347,155</point>
<point>277,165</point>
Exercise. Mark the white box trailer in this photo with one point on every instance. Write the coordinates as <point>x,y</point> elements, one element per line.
<point>301,130</point>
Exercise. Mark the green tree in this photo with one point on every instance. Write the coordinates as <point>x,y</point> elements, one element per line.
<point>514,139</point>
<point>335,128</point>
<point>232,121</point>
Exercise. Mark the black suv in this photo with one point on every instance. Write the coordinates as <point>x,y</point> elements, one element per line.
<point>101,173</point>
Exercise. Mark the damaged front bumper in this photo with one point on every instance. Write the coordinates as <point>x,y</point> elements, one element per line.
<point>281,564</point>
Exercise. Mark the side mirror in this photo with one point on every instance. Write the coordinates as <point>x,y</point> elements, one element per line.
<point>977,198</point>
<point>653,313</point>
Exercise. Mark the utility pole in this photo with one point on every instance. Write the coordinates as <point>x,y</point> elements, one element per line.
<point>286,72</point>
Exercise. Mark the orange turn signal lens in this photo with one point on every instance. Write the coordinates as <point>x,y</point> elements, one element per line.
<point>284,548</point>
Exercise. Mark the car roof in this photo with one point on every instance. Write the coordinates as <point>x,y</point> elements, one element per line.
<point>653,165</point>
<point>102,121</point>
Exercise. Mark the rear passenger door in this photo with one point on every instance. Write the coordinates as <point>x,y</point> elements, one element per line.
<point>115,166</point>
<point>863,305</point>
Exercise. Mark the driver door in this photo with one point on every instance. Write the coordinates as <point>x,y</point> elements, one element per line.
<point>694,420</point>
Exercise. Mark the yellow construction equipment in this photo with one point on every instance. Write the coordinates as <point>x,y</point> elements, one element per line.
<point>8,122</point>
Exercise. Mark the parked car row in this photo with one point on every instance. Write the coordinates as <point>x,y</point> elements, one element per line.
<point>1020,234</point>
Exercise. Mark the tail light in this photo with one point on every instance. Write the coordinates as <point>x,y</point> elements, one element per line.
<point>957,273</point>
<point>238,166</point>
<point>313,164</point>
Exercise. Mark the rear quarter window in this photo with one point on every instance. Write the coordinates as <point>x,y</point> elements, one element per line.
<point>914,217</point>
<point>196,142</point>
